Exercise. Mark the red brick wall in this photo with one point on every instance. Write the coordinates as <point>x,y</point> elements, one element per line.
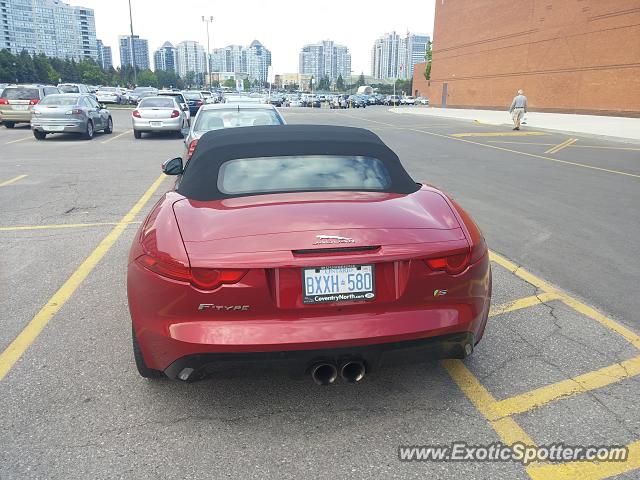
<point>567,55</point>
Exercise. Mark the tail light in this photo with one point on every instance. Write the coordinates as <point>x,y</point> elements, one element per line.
<point>175,114</point>
<point>165,268</point>
<point>192,147</point>
<point>171,261</point>
<point>34,101</point>
<point>212,278</point>
<point>75,111</point>
<point>136,114</point>
<point>4,101</point>
<point>452,264</point>
<point>201,278</point>
<point>199,103</point>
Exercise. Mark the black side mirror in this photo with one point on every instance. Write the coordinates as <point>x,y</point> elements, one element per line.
<point>173,166</point>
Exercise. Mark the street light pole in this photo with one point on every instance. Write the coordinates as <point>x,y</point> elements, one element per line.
<point>133,60</point>
<point>208,21</point>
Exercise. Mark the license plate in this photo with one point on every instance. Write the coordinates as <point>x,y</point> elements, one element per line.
<point>344,283</point>
<point>20,107</point>
<point>53,128</point>
<point>155,124</point>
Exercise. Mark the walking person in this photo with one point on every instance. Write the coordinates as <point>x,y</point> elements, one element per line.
<point>518,109</point>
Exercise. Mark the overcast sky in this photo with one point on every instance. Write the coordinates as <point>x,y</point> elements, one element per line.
<point>283,26</point>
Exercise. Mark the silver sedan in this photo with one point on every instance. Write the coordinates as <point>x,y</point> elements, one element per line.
<point>70,113</point>
<point>229,115</point>
<point>158,114</point>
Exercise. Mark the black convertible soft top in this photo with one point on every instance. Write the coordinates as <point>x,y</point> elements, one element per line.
<point>199,181</point>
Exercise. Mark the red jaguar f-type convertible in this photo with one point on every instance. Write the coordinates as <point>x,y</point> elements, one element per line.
<point>304,244</point>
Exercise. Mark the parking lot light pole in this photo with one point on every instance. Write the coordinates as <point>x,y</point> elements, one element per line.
<point>208,21</point>
<point>133,60</point>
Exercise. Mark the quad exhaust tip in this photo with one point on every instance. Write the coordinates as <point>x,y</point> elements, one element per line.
<point>324,373</point>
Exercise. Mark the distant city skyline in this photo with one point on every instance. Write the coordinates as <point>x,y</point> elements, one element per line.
<point>284,36</point>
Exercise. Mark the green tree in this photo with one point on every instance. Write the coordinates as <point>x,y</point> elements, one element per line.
<point>361,81</point>
<point>146,78</point>
<point>166,78</point>
<point>25,71</point>
<point>229,83</point>
<point>323,84</point>
<point>427,56</point>
<point>189,78</point>
<point>246,84</point>
<point>340,83</point>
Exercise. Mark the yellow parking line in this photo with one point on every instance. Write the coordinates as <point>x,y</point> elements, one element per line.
<point>571,146</point>
<point>22,342</point>
<point>521,303</point>
<point>562,145</point>
<point>497,134</point>
<point>586,470</point>
<point>19,140</point>
<point>508,430</point>
<point>522,273</point>
<point>590,312</point>
<point>117,136</point>
<point>60,225</point>
<point>550,159</point>
<point>550,150</point>
<point>578,306</point>
<point>581,384</point>
<point>12,180</point>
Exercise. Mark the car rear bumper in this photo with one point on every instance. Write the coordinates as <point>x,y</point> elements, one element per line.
<point>15,116</point>
<point>166,124</point>
<point>299,362</point>
<point>166,333</point>
<point>59,126</point>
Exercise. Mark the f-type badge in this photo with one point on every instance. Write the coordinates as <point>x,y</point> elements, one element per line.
<point>332,239</point>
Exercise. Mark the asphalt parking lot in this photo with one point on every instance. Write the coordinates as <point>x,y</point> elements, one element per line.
<point>559,361</point>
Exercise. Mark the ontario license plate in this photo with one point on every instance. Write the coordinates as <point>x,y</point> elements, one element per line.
<point>155,124</point>
<point>344,283</point>
<point>20,107</point>
<point>53,128</point>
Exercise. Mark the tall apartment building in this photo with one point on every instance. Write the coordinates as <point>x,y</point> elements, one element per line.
<point>140,51</point>
<point>253,61</point>
<point>394,56</point>
<point>258,62</point>
<point>325,59</point>
<point>105,58</point>
<point>190,57</point>
<point>52,27</point>
<point>164,58</point>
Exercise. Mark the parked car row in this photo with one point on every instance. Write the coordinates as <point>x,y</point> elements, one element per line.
<point>67,108</point>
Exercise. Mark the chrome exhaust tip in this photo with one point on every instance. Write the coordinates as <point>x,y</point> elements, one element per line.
<point>353,371</point>
<point>324,373</point>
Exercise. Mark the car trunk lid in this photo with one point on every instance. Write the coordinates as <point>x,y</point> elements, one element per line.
<point>329,228</point>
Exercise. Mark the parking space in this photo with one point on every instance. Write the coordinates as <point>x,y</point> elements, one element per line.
<point>559,362</point>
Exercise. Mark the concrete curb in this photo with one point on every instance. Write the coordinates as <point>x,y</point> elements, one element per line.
<point>530,125</point>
